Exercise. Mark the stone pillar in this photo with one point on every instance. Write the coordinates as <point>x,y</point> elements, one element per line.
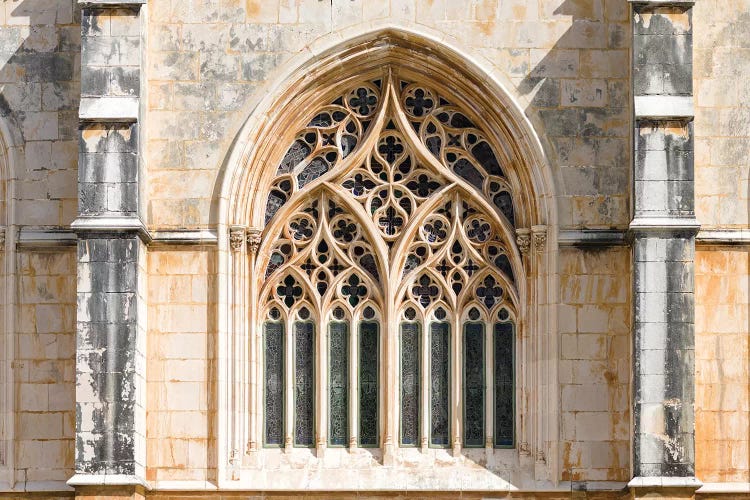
<point>111,332</point>
<point>663,228</point>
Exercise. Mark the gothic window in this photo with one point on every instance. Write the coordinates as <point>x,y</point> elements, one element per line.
<point>389,221</point>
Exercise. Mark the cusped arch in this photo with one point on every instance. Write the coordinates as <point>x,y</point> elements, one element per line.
<point>408,55</point>
<point>332,64</point>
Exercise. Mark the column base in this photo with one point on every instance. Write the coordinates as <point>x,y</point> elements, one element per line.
<point>664,487</point>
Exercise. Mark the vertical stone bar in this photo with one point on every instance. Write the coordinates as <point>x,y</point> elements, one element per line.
<point>111,330</point>
<point>663,228</point>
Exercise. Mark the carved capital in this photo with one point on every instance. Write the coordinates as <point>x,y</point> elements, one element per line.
<point>523,240</point>
<point>236,237</point>
<point>540,457</point>
<point>253,239</point>
<point>2,235</point>
<point>540,237</point>
<point>524,449</point>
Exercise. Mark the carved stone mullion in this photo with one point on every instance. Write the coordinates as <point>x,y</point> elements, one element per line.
<point>539,242</point>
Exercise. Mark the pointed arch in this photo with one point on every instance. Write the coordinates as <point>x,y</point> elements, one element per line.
<point>495,160</point>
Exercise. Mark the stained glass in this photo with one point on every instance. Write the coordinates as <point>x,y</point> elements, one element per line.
<point>338,356</point>
<point>440,384</point>
<point>504,384</point>
<point>410,373</point>
<point>369,360</point>
<point>473,396</point>
<point>304,379</point>
<point>273,335</point>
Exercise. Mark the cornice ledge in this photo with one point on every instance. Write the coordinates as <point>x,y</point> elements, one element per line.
<point>107,480</point>
<point>690,482</point>
<point>591,237</point>
<point>35,237</point>
<point>723,236</point>
<point>109,109</point>
<point>657,224</point>
<point>185,237</point>
<point>684,3</point>
<point>718,488</point>
<point>664,107</point>
<point>105,224</point>
<point>111,3</point>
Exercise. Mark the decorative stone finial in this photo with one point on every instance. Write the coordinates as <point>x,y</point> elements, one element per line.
<point>253,239</point>
<point>236,237</point>
<point>523,240</point>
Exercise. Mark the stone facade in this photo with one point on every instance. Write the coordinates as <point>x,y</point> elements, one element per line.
<point>137,136</point>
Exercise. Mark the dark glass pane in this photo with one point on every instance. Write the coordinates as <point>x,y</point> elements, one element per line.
<point>473,384</point>
<point>486,157</point>
<point>440,384</point>
<point>304,380</point>
<point>339,383</point>
<point>368,383</point>
<point>465,169</point>
<point>410,374</point>
<point>273,335</point>
<point>504,413</point>
<point>338,356</point>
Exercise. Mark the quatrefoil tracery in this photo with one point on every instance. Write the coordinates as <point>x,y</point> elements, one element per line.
<point>393,148</point>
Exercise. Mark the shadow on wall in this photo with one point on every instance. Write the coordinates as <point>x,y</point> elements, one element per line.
<point>39,95</point>
<point>581,92</point>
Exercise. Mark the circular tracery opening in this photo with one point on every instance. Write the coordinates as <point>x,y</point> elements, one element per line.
<point>392,200</point>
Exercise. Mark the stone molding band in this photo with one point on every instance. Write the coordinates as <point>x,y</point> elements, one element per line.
<point>41,237</point>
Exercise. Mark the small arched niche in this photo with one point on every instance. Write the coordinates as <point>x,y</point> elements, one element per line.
<point>389,194</point>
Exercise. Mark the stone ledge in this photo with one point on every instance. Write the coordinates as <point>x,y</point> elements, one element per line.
<point>685,3</point>
<point>107,480</point>
<point>664,107</point>
<point>592,237</point>
<point>111,225</point>
<point>724,237</point>
<point>665,482</point>
<point>641,224</point>
<point>185,237</point>
<point>35,487</point>
<point>719,488</point>
<point>45,237</point>
<point>109,109</point>
<point>111,3</point>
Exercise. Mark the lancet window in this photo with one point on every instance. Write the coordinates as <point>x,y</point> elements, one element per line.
<point>389,222</point>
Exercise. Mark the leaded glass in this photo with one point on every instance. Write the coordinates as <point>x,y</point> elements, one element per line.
<point>369,360</point>
<point>440,383</point>
<point>504,340</point>
<point>273,337</point>
<point>410,374</point>
<point>338,356</point>
<point>304,380</point>
<point>473,384</point>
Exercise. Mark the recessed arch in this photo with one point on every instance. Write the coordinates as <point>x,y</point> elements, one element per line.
<point>397,57</point>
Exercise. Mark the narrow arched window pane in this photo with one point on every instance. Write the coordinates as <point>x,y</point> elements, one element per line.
<point>338,356</point>
<point>304,379</point>
<point>410,374</point>
<point>504,340</point>
<point>440,384</point>
<point>474,384</point>
<point>368,383</point>
<point>273,338</point>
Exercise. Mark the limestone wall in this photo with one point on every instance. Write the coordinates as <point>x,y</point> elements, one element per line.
<point>181,364</point>
<point>45,366</point>
<point>722,365</point>
<point>40,91</point>
<point>565,60</point>
<point>721,62</point>
<point>594,370</point>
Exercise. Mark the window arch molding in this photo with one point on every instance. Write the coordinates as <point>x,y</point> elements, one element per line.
<point>250,172</point>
